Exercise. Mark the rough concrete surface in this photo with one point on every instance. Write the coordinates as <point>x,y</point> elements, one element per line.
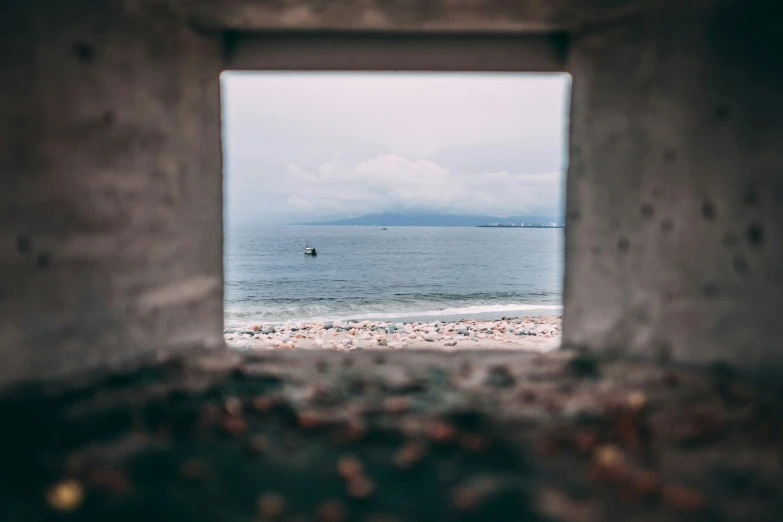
<point>111,198</point>
<point>675,195</point>
<point>403,15</point>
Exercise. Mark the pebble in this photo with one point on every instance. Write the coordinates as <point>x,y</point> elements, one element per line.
<point>314,334</point>
<point>67,495</point>
<point>271,505</point>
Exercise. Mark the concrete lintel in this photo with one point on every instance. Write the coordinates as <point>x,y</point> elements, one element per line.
<point>396,52</point>
<point>429,16</point>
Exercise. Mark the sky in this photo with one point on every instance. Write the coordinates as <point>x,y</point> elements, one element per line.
<point>304,147</point>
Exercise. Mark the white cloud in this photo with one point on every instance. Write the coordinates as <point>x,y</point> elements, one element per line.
<point>391,182</point>
<point>467,143</point>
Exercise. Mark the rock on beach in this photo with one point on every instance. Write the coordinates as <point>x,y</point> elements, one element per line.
<point>540,333</point>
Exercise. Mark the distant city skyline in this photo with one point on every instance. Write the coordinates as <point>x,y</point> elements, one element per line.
<point>322,146</point>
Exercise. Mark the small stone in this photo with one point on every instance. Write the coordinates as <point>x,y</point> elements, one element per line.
<point>110,480</point>
<point>409,455</point>
<point>451,343</point>
<point>263,403</point>
<point>637,400</point>
<point>236,344</point>
<point>258,444</point>
<point>194,470</point>
<point>682,497</point>
<point>441,431</point>
<point>66,495</point>
<point>644,485</point>
<point>431,338</point>
<point>465,497</point>
<point>234,425</point>
<point>271,505</point>
<point>255,327</point>
<point>585,441</point>
<point>396,404</point>
<point>609,455</point>
<point>474,442</point>
<point>309,419</point>
<point>360,487</point>
<point>332,511</point>
<point>233,406</point>
<point>349,467</point>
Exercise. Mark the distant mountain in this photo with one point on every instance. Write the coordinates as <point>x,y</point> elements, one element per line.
<point>433,220</point>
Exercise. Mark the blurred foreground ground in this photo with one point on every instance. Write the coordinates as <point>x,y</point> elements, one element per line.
<point>382,436</point>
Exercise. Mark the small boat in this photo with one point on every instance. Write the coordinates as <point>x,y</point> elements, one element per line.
<point>310,251</point>
<point>384,228</point>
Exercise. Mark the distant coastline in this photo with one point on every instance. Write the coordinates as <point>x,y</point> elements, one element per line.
<point>522,225</point>
<point>428,219</point>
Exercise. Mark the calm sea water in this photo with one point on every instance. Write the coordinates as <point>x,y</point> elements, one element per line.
<point>402,272</point>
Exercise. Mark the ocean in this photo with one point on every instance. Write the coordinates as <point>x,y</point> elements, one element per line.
<point>403,273</point>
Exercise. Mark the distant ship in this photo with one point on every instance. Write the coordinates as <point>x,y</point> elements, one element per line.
<point>384,228</point>
<point>310,251</point>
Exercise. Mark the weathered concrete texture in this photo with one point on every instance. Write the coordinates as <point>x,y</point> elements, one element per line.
<point>675,189</point>
<point>396,52</point>
<point>110,207</point>
<point>403,15</point>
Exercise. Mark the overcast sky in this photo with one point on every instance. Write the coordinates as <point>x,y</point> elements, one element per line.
<point>311,146</point>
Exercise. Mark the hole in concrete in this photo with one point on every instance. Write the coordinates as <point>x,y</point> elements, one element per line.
<point>429,198</point>
<point>670,156</point>
<point>647,211</point>
<point>24,244</point>
<point>623,245</point>
<point>108,118</point>
<point>710,290</point>
<point>755,234</point>
<point>708,211</point>
<point>751,198</point>
<point>722,112</point>
<point>84,51</point>
<point>664,352</point>
<point>740,265</point>
<point>43,260</point>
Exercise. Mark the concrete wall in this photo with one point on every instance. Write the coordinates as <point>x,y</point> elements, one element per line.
<point>110,206</point>
<point>675,186</point>
<point>110,164</point>
<point>407,16</point>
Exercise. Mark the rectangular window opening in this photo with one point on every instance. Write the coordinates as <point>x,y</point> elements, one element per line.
<point>434,203</point>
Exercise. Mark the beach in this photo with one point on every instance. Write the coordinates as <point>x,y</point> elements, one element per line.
<point>538,333</point>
